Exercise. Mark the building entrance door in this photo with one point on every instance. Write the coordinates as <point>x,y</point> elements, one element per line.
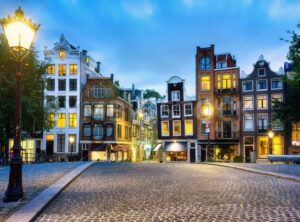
<point>192,155</point>
<point>49,147</point>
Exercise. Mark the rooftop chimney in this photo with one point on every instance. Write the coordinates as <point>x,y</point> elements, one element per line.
<point>98,67</point>
<point>84,52</point>
<point>112,77</point>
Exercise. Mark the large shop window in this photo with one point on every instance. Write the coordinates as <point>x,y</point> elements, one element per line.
<point>177,128</point>
<point>296,134</point>
<point>262,144</point>
<point>165,128</point>
<point>277,145</point>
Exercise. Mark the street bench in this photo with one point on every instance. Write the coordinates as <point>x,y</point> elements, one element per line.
<point>284,158</point>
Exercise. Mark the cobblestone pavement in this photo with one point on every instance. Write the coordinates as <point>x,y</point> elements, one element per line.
<point>174,192</point>
<point>36,178</point>
<point>289,169</point>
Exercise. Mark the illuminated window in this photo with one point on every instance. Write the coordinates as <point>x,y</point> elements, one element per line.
<point>177,128</point>
<point>62,69</point>
<point>61,120</point>
<point>248,102</point>
<point>110,110</point>
<point>51,119</point>
<point>51,69</point>
<point>205,82</point>
<point>262,102</point>
<point>296,134</point>
<point>219,81</point>
<point>73,68</point>
<point>262,144</point>
<point>226,81</point>
<point>233,81</point>
<point>165,128</point>
<point>72,119</point>
<point>277,145</point>
<point>62,54</point>
<point>188,126</point>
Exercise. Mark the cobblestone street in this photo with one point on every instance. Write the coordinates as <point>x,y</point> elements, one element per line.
<point>174,192</point>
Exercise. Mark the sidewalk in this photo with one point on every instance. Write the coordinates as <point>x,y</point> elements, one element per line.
<point>36,178</point>
<point>285,171</point>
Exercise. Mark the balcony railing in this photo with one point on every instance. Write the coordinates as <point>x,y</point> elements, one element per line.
<point>228,112</point>
<point>223,91</point>
<point>226,135</point>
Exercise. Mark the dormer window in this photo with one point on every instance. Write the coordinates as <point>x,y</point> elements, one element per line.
<point>175,95</point>
<point>62,54</point>
<point>261,72</point>
<point>205,63</point>
<point>222,65</point>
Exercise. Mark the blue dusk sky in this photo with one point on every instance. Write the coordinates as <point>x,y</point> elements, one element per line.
<point>147,41</point>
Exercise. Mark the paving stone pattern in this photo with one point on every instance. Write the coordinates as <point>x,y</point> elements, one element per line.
<point>36,178</point>
<point>174,192</point>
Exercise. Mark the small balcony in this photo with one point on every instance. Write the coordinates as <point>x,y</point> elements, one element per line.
<point>227,135</point>
<point>226,91</point>
<point>228,112</point>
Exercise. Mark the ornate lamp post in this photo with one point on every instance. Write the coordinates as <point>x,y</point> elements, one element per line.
<point>19,32</point>
<point>207,112</point>
<point>270,135</point>
<point>71,140</point>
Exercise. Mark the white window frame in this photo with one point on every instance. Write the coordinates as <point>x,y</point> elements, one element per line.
<point>258,72</point>
<point>253,102</point>
<point>257,107</point>
<point>243,85</point>
<point>191,104</point>
<point>253,122</point>
<point>174,128</point>
<point>272,84</point>
<point>173,111</point>
<point>259,81</point>
<point>188,134</point>
<point>268,121</point>
<point>177,93</point>
<point>161,128</point>
<point>161,111</point>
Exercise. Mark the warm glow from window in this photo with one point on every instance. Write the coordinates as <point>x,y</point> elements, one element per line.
<point>73,68</point>
<point>277,145</point>
<point>226,81</point>
<point>177,128</point>
<point>188,127</point>
<point>165,128</point>
<point>62,54</point>
<point>219,81</point>
<point>62,69</point>
<point>262,143</point>
<point>51,117</point>
<point>19,34</point>
<point>205,83</point>
<point>49,137</point>
<point>51,69</point>
<point>72,119</point>
<point>61,120</point>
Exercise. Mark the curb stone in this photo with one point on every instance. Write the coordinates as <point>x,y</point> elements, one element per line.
<point>279,175</point>
<point>31,210</point>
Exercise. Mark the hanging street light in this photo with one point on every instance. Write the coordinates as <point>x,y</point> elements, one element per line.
<point>19,32</point>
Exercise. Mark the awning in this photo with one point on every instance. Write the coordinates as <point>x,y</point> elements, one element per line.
<point>157,147</point>
<point>98,147</point>
<point>175,146</point>
<point>120,147</point>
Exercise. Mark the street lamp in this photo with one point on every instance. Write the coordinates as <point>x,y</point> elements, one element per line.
<point>19,32</point>
<point>270,135</point>
<point>207,112</point>
<point>71,140</point>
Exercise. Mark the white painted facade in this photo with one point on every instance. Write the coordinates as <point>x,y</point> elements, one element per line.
<point>85,66</point>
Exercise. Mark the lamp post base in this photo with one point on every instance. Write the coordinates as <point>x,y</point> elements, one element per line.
<point>14,190</point>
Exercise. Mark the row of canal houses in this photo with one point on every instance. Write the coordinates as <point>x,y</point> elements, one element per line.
<point>99,120</point>
<point>241,113</point>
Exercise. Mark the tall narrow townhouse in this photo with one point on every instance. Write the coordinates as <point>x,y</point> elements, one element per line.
<point>217,87</point>
<point>67,72</point>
